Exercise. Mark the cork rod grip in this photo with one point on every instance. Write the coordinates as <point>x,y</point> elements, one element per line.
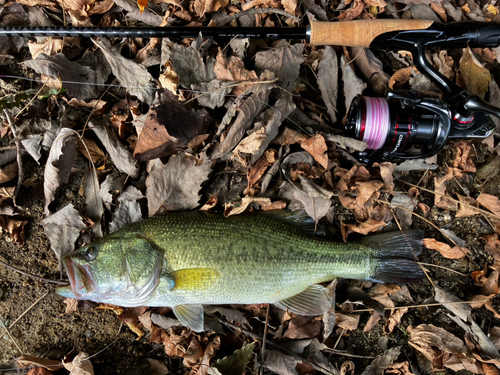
<point>358,33</point>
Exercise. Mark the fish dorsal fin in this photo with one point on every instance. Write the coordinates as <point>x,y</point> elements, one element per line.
<point>190,316</point>
<point>194,278</point>
<point>298,219</point>
<point>312,301</point>
<point>143,266</point>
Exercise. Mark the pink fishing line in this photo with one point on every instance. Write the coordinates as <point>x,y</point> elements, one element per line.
<point>377,122</point>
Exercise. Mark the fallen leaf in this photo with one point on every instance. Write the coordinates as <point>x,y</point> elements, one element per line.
<point>245,202</point>
<point>169,127</point>
<point>394,320</point>
<point>79,81</point>
<point>208,6</point>
<point>71,305</point>
<point>8,173</point>
<point>348,322</point>
<point>90,150</point>
<point>366,227</point>
<point>467,205</point>
<point>93,194</point>
<point>316,146</point>
<point>231,68</point>
<point>399,78</point>
<point>440,347</point>
<point>353,12</point>
<point>491,202</point>
<point>280,363</point>
<point>247,112</point>
<point>14,227</point>
<point>190,67</point>
<point>80,365</point>
<point>134,77</point>
<point>371,68</point>
<point>284,62</point>
<point>316,201</point>
<point>473,76</point>
<point>29,360</point>
<point>489,170</point>
<point>441,199</point>
<point>493,246</point>
<point>63,229</point>
<point>328,81</point>
<point>175,186</point>
<point>383,361</point>
<point>235,363</point>
<point>303,327</point>
<point>463,160</point>
<point>129,209</point>
<point>58,167</point>
<point>157,367</point>
<point>122,158</point>
<point>445,250</point>
<point>352,84</point>
<point>399,368</point>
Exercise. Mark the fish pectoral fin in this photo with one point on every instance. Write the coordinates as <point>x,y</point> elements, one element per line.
<point>190,316</point>
<point>194,278</point>
<point>312,301</point>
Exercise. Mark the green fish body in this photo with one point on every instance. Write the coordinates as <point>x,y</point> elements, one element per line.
<point>185,260</point>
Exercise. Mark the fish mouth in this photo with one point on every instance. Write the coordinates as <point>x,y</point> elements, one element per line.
<point>80,278</point>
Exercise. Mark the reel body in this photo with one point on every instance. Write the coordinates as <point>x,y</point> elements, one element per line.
<point>406,125</point>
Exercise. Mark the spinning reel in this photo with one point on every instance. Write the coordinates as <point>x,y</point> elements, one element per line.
<point>409,125</point>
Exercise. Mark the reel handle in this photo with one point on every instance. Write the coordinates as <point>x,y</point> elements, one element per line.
<point>475,104</point>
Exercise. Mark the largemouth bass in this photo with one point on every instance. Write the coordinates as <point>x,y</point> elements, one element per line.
<point>185,260</point>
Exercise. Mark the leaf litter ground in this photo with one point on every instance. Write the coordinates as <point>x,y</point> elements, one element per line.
<point>242,152</point>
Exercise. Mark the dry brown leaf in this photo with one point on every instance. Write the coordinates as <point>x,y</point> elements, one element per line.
<point>444,64</point>
<point>14,227</point>
<point>83,9</point>
<point>80,365</point>
<point>493,246</point>
<point>488,285</point>
<point>441,12</point>
<point>353,12</point>
<point>400,368</point>
<point>394,320</point>
<point>349,179</point>
<point>245,202</point>
<point>71,305</point>
<point>473,76</point>
<point>49,47</point>
<point>316,146</point>
<point>257,3</point>
<point>303,327</point>
<point>169,79</point>
<point>29,360</point>
<point>368,226</point>
<point>366,190</point>
<point>425,209</point>
<point>399,78</point>
<point>175,186</point>
<point>232,69</point>
<point>491,202</point>
<point>463,160</point>
<point>207,6</point>
<point>8,173</point>
<point>441,199</point>
<point>39,371</point>
<point>90,149</point>
<point>465,206</point>
<point>257,170</point>
<point>445,249</point>
<point>440,347</point>
<point>348,322</point>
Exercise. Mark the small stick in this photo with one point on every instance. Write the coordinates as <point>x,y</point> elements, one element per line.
<point>25,312</point>
<point>264,335</point>
<point>10,336</point>
<point>50,281</point>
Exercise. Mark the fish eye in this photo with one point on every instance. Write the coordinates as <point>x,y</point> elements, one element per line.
<point>91,253</point>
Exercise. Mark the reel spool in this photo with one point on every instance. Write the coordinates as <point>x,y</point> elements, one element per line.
<point>405,125</point>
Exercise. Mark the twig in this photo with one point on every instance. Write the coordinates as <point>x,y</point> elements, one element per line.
<point>279,347</point>
<point>264,335</point>
<point>345,354</point>
<point>10,336</point>
<point>25,312</point>
<point>254,11</point>
<point>5,148</point>
<point>429,304</point>
<point>50,281</point>
<point>445,268</point>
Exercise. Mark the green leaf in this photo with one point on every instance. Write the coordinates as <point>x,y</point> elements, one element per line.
<point>52,92</point>
<point>14,100</point>
<point>235,364</point>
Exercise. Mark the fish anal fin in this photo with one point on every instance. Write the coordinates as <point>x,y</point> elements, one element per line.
<point>190,316</point>
<point>194,278</point>
<point>314,300</point>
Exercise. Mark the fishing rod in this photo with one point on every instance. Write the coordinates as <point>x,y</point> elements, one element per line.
<point>404,124</point>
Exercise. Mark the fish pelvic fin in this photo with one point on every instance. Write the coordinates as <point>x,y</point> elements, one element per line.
<point>395,256</point>
<point>314,300</point>
<point>191,316</point>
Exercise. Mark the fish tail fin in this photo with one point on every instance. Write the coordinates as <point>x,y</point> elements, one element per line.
<point>395,256</point>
